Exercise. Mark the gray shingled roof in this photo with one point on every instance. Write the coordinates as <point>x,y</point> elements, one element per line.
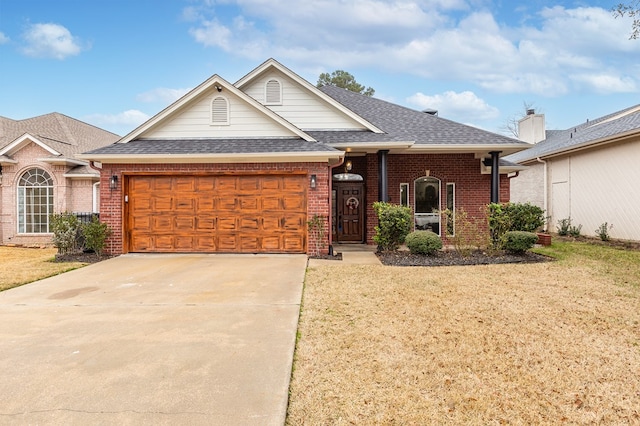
<point>606,127</point>
<point>405,124</point>
<point>213,146</point>
<point>62,133</point>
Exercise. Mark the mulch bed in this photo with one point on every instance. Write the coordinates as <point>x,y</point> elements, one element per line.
<point>452,258</point>
<point>80,257</point>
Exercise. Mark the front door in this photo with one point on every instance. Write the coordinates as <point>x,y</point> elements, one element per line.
<point>350,212</point>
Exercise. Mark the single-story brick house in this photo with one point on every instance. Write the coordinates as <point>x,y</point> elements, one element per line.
<point>244,167</point>
<point>587,172</point>
<point>40,175</point>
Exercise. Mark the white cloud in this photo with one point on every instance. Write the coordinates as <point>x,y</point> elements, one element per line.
<point>50,41</point>
<point>3,38</point>
<point>162,94</point>
<point>445,39</point>
<point>456,106</point>
<point>132,117</point>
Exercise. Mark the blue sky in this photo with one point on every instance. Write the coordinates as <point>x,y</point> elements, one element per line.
<point>115,63</point>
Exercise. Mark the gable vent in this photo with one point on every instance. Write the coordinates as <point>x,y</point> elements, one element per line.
<point>219,110</point>
<point>273,92</point>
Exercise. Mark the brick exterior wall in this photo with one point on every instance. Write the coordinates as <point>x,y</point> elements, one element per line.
<point>472,189</point>
<point>111,201</point>
<point>64,192</point>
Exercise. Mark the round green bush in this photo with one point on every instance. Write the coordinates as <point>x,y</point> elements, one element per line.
<point>423,242</point>
<point>519,241</point>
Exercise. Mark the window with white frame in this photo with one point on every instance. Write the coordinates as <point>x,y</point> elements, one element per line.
<point>273,92</point>
<point>219,111</point>
<point>427,204</point>
<point>451,209</point>
<point>404,194</point>
<point>35,201</point>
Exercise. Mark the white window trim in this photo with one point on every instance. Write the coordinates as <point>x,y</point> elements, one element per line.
<point>220,123</point>
<point>50,211</point>
<point>266,98</point>
<point>404,187</point>
<point>453,210</point>
<point>428,215</point>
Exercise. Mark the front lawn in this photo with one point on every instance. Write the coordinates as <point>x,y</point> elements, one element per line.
<point>544,343</point>
<point>24,265</point>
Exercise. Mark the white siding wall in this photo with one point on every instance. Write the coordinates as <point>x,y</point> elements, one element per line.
<point>528,187</point>
<point>301,107</point>
<point>195,121</point>
<point>604,186</point>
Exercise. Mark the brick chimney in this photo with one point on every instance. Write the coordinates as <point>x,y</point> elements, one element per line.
<point>531,128</point>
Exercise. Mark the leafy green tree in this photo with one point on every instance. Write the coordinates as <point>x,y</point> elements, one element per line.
<point>632,10</point>
<point>345,80</point>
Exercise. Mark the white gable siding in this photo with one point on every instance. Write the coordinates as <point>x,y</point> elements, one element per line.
<point>194,121</point>
<point>301,107</point>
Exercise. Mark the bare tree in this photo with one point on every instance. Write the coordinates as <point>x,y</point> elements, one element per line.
<point>510,126</point>
<point>632,10</point>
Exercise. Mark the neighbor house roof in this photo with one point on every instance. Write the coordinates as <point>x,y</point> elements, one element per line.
<point>65,135</point>
<point>607,129</point>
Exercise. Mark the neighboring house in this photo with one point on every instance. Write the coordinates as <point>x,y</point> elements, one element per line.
<point>588,173</point>
<point>244,167</point>
<point>40,175</point>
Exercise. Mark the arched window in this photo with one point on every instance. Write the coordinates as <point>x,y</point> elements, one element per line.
<point>273,92</point>
<point>427,204</point>
<point>220,111</point>
<point>35,201</point>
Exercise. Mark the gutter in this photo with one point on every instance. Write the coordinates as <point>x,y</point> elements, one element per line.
<point>546,208</point>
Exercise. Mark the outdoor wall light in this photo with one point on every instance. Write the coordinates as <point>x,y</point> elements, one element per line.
<point>348,166</point>
<point>113,182</point>
<point>314,181</point>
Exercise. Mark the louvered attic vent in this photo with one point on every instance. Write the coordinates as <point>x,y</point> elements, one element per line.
<point>219,111</point>
<point>273,92</point>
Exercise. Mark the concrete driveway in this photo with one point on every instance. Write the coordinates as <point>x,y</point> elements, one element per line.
<point>153,339</point>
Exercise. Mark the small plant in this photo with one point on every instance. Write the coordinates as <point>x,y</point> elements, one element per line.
<point>66,232</point>
<point>468,234</point>
<point>394,223</point>
<point>95,235</point>
<point>563,226</point>
<point>423,242</point>
<point>603,231</point>
<point>574,231</point>
<point>317,228</point>
<point>519,241</point>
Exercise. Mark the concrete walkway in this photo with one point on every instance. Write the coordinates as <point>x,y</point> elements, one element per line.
<point>352,254</point>
<point>153,339</point>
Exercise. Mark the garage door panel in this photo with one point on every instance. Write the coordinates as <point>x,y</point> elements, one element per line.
<point>247,214</point>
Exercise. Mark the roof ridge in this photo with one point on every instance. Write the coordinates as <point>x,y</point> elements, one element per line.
<point>68,133</point>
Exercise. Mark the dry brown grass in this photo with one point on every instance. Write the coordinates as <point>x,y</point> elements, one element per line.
<point>549,343</point>
<point>24,265</point>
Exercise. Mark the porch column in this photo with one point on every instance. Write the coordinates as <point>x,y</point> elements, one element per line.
<point>495,176</point>
<point>383,187</point>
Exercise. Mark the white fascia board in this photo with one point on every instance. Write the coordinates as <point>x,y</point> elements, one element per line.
<point>208,84</point>
<point>6,160</point>
<point>82,176</point>
<point>272,63</point>
<point>262,157</point>
<point>63,161</point>
<point>372,147</point>
<point>24,140</point>
<point>480,150</point>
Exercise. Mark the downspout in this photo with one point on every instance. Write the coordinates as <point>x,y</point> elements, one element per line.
<point>544,180</point>
<point>330,219</point>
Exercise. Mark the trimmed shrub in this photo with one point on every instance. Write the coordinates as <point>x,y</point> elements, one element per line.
<point>66,232</point>
<point>519,241</point>
<point>394,223</point>
<point>423,242</point>
<point>95,234</point>
<point>513,217</point>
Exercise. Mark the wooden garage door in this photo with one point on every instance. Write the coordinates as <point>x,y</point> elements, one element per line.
<point>240,214</point>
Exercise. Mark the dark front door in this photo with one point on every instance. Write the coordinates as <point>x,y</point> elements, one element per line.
<point>350,211</point>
